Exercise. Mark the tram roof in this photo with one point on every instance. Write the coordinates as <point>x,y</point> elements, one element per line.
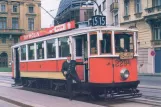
<point>75,32</point>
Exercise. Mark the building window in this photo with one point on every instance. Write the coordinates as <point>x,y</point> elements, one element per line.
<point>99,9</point>
<point>95,12</point>
<point>30,24</point>
<point>137,6</point>
<point>15,23</point>
<point>116,19</point>
<point>31,9</point>
<point>126,7</point>
<point>51,48</point>
<point>16,40</point>
<point>31,52</point>
<point>157,32</point>
<point>40,50</point>
<point>156,3</point>
<point>4,40</point>
<point>15,8</point>
<point>3,8</point>
<point>3,22</point>
<point>63,47</point>
<point>104,4</point>
<point>93,44</point>
<point>23,52</point>
<point>106,44</point>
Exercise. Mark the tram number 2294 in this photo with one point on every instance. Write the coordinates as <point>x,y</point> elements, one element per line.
<point>120,63</point>
<point>99,20</point>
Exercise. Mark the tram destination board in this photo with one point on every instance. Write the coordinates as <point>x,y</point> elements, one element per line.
<point>126,55</point>
<point>99,20</point>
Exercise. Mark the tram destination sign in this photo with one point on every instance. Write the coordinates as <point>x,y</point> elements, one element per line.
<point>48,31</point>
<point>126,55</point>
<point>99,20</point>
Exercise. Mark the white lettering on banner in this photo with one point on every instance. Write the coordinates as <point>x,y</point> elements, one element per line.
<point>59,28</point>
<point>32,35</point>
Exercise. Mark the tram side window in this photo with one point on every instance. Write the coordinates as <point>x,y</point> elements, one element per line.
<point>63,47</point>
<point>31,52</point>
<point>124,43</point>
<point>106,44</point>
<point>23,52</point>
<point>93,44</point>
<point>40,50</point>
<point>51,48</point>
<point>78,47</point>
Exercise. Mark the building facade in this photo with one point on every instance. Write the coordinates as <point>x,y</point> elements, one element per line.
<point>17,17</point>
<point>73,10</point>
<point>144,15</point>
<point>110,9</point>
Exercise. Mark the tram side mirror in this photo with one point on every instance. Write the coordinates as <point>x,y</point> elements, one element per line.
<point>100,36</point>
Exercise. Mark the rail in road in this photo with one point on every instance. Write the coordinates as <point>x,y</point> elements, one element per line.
<point>151,96</point>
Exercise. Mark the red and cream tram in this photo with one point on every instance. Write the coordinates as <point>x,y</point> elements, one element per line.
<point>111,53</point>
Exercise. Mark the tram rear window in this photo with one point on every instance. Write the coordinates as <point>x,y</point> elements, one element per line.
<point>124,43</point>
<point>40,50</point>
<point>31,52</point>
<point>93,44</point>
<point>23,52</point>
<point>51,48</point>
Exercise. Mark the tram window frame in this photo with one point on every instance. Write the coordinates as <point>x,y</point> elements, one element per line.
<point>51,49</point>
<point>38,55</point>
<point>78,46</point>
<point>25,58</point>
<point>95,43</point>
<point>64,54</point>
<point>109,34</point>
<point>127,34</point>
<point>33,51</point>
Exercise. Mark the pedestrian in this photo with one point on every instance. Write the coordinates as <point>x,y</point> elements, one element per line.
<point>68,70</point>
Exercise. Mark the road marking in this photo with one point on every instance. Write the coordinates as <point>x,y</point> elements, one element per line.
<point>5,85</point>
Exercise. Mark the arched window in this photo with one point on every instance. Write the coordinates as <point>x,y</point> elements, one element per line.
<point>3,59</point>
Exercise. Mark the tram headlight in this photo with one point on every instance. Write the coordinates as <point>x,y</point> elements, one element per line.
<point>124,74</point>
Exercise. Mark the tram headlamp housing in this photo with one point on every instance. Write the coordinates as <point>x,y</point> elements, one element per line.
<point>124,74</point>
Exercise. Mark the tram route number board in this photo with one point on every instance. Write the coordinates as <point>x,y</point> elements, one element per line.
<point>99,20</point>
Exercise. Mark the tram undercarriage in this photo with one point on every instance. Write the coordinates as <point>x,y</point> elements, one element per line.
<point>94,91</point>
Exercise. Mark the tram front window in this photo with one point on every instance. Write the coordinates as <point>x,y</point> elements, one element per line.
<point>31,51</point>
<point>106,44</point>
<point>124,43</point>
<point>23,52</point>
<point>93,44</point>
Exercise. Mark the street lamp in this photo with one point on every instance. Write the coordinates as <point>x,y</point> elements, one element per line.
<point>91,1</point>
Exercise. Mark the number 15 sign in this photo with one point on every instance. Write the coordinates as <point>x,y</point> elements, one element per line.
<point>99,20</point>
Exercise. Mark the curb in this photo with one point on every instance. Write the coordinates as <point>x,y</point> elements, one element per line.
<point>151,87</point>
<point>155,75</point>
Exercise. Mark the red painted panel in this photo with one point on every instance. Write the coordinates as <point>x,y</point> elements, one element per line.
<point>23,66</point>
<point>101,70</point>
<point>80,70</point>
<point>132,67</point>
<point>59,64</point>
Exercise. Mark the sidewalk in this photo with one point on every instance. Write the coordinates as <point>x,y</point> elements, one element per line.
<point>6,74</point>
<point>40,100</point>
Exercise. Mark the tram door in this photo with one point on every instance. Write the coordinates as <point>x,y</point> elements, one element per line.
<point>17,64</point>
<point>81,52</point>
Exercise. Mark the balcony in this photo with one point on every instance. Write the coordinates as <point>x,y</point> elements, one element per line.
<point>12,31</point>
<point>153,11</point>
<point>114,7</point>
<point>156,42</point>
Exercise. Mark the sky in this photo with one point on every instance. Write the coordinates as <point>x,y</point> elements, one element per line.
<point>51,6</point>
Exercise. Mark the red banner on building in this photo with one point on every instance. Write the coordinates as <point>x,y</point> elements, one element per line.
<point>48,31</point>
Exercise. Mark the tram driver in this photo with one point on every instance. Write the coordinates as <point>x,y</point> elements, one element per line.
<point>68,70</point>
